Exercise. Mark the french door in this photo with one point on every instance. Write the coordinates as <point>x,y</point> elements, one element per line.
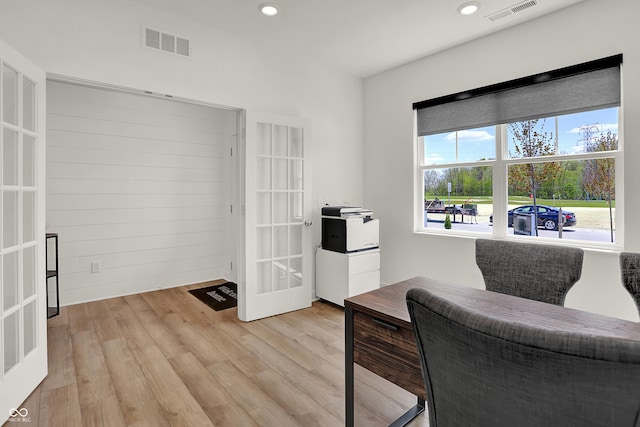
<point>23,311</point>
<point>276,273</point>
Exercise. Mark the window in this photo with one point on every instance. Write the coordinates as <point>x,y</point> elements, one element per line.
<point>544,148</point>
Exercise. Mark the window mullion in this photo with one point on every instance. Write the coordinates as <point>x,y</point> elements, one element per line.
<point>500,196</point>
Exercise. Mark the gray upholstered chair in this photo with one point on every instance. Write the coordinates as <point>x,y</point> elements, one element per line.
<point>483,369</point>
<point>630,269</point>
<point>527,270</point>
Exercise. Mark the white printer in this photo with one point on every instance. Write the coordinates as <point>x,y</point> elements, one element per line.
<point>349,229</point>
<point>348,263</point>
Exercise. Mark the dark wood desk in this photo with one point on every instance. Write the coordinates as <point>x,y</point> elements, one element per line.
<point>379,336</point>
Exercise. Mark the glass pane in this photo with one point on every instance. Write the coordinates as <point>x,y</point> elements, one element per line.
<point>264,139</point>
<point>28,104</point>
<point>10,158</point>
<point>297,180</point>
<point>28,216</point>
<point>280,241</point>
<point>295,243</point>
<point>280,140</point>
<point>463,146</point>
<point>263,277</point>
<point>280,276</point>
<point>295,272</point>
<point>296,207</point>
<point>11,343</point>
<point>10,95</point>
<point>583,189</point>
<point>263,242</point>
<point>263,173</point>
<point>532,138</point>
<point>280,174</point>
<point>263,208</point>
<point>10,280</point>
<point>280,207</point>
<point>28,161</point>
<point>464,195</point>
<point>9,218</point>
<point>30,327</point>
<point>28,272</point>
<point>297,148</point>
<point>576,133</point>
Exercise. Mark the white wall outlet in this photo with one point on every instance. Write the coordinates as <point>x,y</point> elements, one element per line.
<point>95,267</point>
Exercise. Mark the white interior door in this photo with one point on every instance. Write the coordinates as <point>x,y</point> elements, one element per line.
<point>276,274</point>
<point>23,311</point>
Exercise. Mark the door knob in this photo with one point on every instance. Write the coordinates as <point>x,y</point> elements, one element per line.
<point>308,223</point>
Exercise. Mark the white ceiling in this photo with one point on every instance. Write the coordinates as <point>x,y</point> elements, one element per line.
<point>361,37</point>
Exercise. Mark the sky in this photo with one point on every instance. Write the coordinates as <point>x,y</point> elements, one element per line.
<point>477,144</point>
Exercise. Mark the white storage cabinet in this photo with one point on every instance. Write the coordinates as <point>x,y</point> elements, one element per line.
<point>343,275</point>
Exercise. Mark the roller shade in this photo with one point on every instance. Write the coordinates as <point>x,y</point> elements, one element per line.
<point>589,86</point>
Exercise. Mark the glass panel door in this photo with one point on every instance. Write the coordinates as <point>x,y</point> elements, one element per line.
<point>278,277</point>
<point>23,359</point>
<point>279,207</point>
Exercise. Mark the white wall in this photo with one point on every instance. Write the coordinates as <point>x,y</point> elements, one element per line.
<point>590,30</point>
<point>140,186</point>
<point>100,41</point>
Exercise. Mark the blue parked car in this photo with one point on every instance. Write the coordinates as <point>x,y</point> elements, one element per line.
<point>547,216</point>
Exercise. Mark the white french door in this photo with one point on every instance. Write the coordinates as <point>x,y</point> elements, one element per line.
<point>23,311</point>
<point>276,274</point>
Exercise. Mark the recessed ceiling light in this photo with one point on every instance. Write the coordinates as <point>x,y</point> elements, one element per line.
<point>469,8</point>
<point>268,9</point>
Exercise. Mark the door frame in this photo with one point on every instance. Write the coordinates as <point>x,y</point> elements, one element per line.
<point>231,166</point>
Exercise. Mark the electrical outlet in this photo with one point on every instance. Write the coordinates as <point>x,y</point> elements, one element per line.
<point>95,267</point>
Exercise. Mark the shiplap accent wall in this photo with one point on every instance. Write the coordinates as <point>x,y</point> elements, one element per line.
<point>140,185</point>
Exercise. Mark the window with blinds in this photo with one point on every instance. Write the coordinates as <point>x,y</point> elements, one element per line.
<point>546,144</point>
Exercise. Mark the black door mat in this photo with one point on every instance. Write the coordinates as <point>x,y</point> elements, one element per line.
<point>218,297</point>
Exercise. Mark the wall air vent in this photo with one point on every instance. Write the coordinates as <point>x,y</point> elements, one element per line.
<point>152,38</point>
<point>164,42</point>
<point>168,43</point>
<point>519,7</point>
<point>182,46</point>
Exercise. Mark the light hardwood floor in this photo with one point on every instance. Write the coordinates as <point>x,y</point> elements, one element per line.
<point>164,358</point>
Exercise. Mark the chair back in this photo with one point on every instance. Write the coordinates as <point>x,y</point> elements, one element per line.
<point>483,370</point>
<point>527,270</point>
<point>630,269</point>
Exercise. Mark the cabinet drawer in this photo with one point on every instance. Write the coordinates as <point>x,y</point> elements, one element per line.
<point>366,261</point>
<point>390,369</point>
<point>387,350</point>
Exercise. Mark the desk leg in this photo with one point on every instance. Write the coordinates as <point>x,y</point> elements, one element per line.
<point>348,367</point>
<point>408,416</point>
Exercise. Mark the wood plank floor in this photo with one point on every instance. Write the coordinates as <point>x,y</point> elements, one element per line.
<point>164,358</point>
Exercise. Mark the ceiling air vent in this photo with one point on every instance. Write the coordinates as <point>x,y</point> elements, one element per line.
<point>164,42</point>
<point>519,7</point>
<point>499,15</point>
<point>524,5</point>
